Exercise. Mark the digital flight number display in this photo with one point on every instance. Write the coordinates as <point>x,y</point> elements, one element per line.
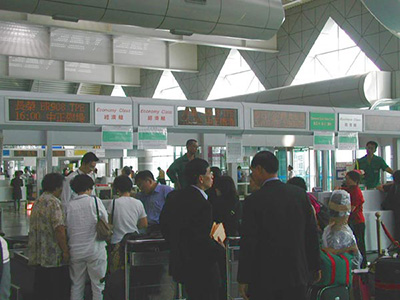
<point>207,116</point>
<point>48,111</point>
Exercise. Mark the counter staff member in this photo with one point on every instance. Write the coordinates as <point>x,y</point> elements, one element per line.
<point>279,243</point>
<point>88,164</point>
<point>176,171</point>
<point>372,166</point>
<point>186,221</point>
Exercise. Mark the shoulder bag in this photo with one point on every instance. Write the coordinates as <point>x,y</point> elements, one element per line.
<point>103,229</point>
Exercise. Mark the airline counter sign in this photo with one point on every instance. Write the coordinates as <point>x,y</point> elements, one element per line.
<point>154,115</point>
<point>113,114</point>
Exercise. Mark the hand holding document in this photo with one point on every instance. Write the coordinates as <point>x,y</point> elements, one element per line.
<point>218,232</point>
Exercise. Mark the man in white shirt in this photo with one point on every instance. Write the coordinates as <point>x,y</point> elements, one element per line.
<point>87,254</point>
<point>5,280</point>
<point>88,164</point>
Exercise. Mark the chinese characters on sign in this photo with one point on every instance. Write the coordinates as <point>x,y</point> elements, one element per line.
<point>113,114</point>
<point>207,116</point>
<point>350,122</point>
<point>152,115</point>
<point>322,121</point>
<point>48,111</point>
<point>279,119</point>
<point>234,149</point>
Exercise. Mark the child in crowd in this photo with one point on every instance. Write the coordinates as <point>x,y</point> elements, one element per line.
<point>356,219</point>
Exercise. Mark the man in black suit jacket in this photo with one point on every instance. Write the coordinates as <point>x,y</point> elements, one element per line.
<point>186,222</point>
<point>279,245</point>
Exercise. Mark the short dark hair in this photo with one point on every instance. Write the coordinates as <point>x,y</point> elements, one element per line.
<point>298,181</point>
<point>290,167</point>
<point>216,172</point>
<point>267,160</point>
<point>126,171</point>
<point>373,143</point>
<point>52,181</point>
<point>354,175</point>
<point>194,169</point>
<point>143,175</point>
<point>89,157</point>
<point>81,183</point>
<point>226,186</point>
<point>123,184</point>
<point>191,141</point>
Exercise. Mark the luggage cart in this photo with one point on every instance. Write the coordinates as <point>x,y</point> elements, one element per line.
<point>232,263</point>
<point>146,271</point>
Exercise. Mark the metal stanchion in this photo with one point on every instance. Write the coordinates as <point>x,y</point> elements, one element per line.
<point>378,232</point>
<point>158,256</point>
<point>231,247</point>
<point>180,292</point>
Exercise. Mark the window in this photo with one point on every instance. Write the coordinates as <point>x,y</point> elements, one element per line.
<point>235,78</point>
<point>333,55</point>
<point>168,88</point>
<point>118,91</point>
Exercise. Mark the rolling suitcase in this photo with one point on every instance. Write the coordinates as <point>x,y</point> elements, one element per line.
<point>387,279</point>
<point>361,289</point>
<point>333,292</point>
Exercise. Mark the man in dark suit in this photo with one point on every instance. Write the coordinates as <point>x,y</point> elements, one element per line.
<point>279,245</point>
<point>186,222</point>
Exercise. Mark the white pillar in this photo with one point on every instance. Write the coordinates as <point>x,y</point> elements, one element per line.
<point>49,151</point>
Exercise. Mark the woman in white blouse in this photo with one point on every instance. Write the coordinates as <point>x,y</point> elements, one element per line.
<point>88,255</point>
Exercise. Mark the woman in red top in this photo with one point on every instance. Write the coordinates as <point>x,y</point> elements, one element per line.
<point>356,219</point>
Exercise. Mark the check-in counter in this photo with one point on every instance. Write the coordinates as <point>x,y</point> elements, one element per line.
<point>373,200</point>
<point>6,191</point>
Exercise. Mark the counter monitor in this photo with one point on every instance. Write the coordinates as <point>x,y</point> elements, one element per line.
<point>279,119</point>
<point>207,116</point>
<point>48,111</point>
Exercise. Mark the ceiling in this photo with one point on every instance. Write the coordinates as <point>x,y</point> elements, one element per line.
<point>66,86</point>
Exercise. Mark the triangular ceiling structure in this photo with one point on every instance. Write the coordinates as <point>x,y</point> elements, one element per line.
<point>235,78</point>
<point>118,91</point>
<point>168,88</point>
<point>333,55</point>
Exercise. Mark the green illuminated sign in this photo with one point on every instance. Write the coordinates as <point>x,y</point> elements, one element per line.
<point>322,121</point>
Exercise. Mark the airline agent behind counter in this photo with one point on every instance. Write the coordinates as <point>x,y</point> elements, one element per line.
<point>372,164</point>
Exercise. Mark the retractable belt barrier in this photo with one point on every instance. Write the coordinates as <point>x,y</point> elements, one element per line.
<point>380,224</point>
<point>232,263</point>
<point>146,271</point>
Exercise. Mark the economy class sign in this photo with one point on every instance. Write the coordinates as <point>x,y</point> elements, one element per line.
<point>154,115</point>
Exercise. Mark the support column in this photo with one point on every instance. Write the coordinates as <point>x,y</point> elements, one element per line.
<point>1,150</point>
<point>395,153</point>
<point>290,152</point>
<point>325,168</point>
<point>333,169</point>
<point>204,147</point>
<point>317,173</point>
<point>49,151</point>
<point>145,161</point>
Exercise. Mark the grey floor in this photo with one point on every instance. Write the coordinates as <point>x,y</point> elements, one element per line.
<point>13,223</point>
